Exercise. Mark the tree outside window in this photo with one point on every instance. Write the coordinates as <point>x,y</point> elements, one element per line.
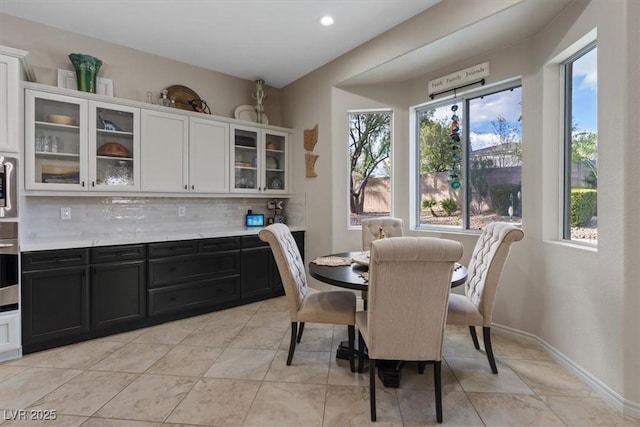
<point>370,165</point>
<point>490,135</point>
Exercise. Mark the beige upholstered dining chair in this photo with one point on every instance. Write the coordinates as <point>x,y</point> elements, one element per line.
<point>475,307</point>
<point>409,283</point>
<point>376,228</point>
<point>306,304</point>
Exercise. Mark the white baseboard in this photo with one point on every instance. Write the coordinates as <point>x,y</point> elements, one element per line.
<point>625,406</point>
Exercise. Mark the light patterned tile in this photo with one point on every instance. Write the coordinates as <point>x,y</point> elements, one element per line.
<point>45,419</point>
<point>512,348</point>
<point>212,336</point>
<point>586,411</point>
<point>349,406</point>
<point>82,355</point>
<point>86,393</point>
<point>513,410</point>
<point>230,317</point>
<point>418,408</point>
<point>148,398</point>
<point>7,371</point>
<point>26,387</point>
<point>549,378</point>
<point>34,359</point>
<point>270,319</point>
<point>312,340</point>
<point>257,337</point>
<point>273,405</point>
<point>217,402</point>
<point>109,422</point>
<point>340,373</point>
<point>242,364</point>
<point>310,367</point>
<point>133,357</point>
<point>187,361</point>
<point>411,379</point>
<point>167,333</point>
<point>475,375</point>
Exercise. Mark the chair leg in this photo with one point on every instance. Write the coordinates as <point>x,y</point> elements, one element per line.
<point>352,338</point>
<point>292,345</point>
<point>438,389</point>
<point>486,335</point>
<point>372,388</point>
<point>421,366</point>
<point>300,331</point>
<point>360,352</point>
<point>474,337</point>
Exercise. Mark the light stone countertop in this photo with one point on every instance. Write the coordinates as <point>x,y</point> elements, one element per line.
<point>134,238</point>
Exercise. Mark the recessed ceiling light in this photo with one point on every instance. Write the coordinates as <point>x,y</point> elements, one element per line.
<point>326,20</point>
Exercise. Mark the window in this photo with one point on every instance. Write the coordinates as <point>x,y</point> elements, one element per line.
<point>469,183</point>
<point>370,165</point>
<point>581,147</point>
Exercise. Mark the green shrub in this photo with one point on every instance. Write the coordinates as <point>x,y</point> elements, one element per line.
<point>583,205</point>
<point>449,206</point>
<point>430,204</point>
<point>502,196</point>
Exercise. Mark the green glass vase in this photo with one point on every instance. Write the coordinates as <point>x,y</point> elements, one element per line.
<point>87,68</point>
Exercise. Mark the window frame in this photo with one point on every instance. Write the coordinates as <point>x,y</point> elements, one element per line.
<point>461,98</point>
<point>390,111</point>
<point>566,67</point>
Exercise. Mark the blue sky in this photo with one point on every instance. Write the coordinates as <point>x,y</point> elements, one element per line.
<point>585,79</point>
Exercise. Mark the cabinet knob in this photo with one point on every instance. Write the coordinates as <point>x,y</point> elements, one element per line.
<point>193,187</point>
<point>185,187</point>
<point>83,183</point>
<point>93,183</point>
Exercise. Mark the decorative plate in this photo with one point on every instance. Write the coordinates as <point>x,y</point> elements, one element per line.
<point>184,97</point>
<point>248,113</point>
<point>362,258</point>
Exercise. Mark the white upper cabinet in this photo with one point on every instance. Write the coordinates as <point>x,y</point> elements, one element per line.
<point>72,144</point>
<point>165,151</point>
<point>260,161</point>
<point>208,156</point>
<point>14,66</point>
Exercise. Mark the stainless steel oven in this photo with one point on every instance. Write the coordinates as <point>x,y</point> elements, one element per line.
<point>8,187</point>
<point>9,266</point>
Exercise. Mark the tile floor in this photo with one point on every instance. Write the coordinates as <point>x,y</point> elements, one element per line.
<point>228,369</point>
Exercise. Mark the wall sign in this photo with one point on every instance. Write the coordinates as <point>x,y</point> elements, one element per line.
<point>459,78</point>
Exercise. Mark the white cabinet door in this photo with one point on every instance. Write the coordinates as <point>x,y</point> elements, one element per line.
<point>208,156</point>
<point>245,159</point>
<point>114,147</point>
<point>275,175</point>
<point>55,142</point>
<point>10,339</point>
<point>164,157</point>
<point>9,103</point>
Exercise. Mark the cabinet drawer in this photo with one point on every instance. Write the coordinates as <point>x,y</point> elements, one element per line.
<point>168,271</point>
<point>54,259</point>
<point>185,247</point>
<point>252,242</point>
<point>117,253</point>
<point>217,245</point>
<point>193,295</point>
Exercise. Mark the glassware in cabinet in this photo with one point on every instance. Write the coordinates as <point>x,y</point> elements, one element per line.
<point>55,137</point>
<point>114,147</point>
<point>275,163</point>
<point>246,159</point>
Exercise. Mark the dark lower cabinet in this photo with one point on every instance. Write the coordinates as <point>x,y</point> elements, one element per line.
<point>118,282</point>
<point>55,301</point>
<point>72,295</point>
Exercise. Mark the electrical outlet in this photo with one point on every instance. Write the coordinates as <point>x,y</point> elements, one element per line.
<point>65,214</point>
<point>182,211</point>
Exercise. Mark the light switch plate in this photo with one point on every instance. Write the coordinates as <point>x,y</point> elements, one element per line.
<point>182,211</point>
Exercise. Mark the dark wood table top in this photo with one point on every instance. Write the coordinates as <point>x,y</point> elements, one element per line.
<point>350,276</point>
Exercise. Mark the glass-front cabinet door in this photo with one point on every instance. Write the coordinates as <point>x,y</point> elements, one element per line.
<point>275,161</point>
<point>245,160</point>
<point>55,142</point>
<point>114,147</point>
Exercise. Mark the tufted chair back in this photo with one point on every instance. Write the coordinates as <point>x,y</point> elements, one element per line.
<point>372,228</point>
<point>486,265</point>
<point>290,264</point>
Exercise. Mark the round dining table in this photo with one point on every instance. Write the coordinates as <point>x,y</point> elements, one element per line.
<point>351,277</point>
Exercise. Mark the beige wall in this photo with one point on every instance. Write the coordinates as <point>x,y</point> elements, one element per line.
<point>582,303</point>
<point>133,72</point>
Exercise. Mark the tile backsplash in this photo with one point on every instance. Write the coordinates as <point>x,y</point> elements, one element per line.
<point>93,217</point>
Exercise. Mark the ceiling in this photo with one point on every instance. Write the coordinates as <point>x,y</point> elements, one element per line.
<point>275,40</point>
